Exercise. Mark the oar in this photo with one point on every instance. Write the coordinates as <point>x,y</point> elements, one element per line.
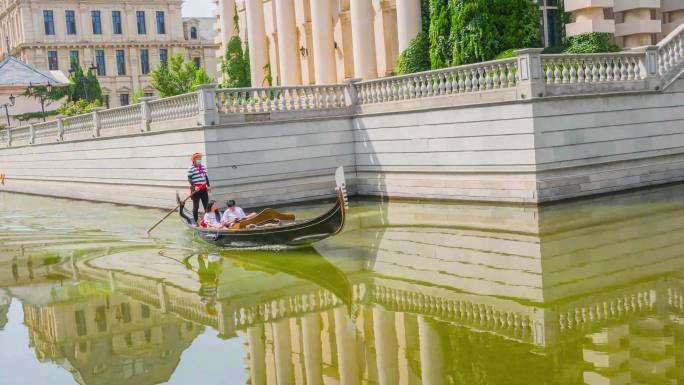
<point>170,212</point>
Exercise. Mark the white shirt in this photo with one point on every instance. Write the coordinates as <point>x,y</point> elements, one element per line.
<point>230,215</point>
<point>210,219</point>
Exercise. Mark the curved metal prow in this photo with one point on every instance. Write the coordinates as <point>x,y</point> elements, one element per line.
<point>342,185</point>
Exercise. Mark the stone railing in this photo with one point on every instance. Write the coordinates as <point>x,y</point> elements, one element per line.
<point>175,107</point>
<point>593,68</point>
<point>274,99</point>
<point>117,118</point>
<point>528,75</point>
<point>478,77</point>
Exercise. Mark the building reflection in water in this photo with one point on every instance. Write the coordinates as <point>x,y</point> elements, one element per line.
<point>583,292</point>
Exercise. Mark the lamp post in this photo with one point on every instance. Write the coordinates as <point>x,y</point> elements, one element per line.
<point>41,97</point>
<point>12,101</point>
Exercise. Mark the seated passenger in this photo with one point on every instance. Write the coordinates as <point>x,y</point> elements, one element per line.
<point>212,218</point>
<point>234,214</point>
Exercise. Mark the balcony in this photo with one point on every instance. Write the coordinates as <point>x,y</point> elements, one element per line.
<point>584,26</point>
<point>627,5</point>
<point>573,5</point>
<point>636,27</point>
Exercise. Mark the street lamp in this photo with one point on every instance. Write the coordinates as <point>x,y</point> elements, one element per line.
<point>12,101</point>
<point>41,97</point>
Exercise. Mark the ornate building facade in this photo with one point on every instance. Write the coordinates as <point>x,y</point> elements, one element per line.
<point>296,42</point>
<point>122,42</point>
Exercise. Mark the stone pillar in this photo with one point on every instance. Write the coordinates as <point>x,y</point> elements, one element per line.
<point>408,22</point>
<point>282,346</point>
<point>257,354</point>
<point>226,12</point>
<point>323,42</point>
<point>346,348</point>
<point>208,112</point>
<point>311,339</point>
<point>431,354</point>
<point>146,118</point>
<point>362,14</point>
<point>386,346</point>
<point>163,298</point>
<point>96,121</point>
<point>258,43</point>
<point>288,50</point>
<point>530,80</point>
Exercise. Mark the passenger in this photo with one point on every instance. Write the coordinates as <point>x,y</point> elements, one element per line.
<point>234,214</point>
<point>212,219</point>
<point>199,185</point>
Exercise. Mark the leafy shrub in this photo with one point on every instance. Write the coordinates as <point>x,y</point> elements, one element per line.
<point>506,54</point>
<point>78,107</point>
<point>416,57</point>
<point>592,42</point>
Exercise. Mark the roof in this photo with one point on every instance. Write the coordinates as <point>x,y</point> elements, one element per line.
<point>14,72</point>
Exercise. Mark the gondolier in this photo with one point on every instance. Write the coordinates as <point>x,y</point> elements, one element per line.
<point>199,185</point>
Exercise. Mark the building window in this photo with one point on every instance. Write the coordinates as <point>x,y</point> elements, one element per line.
<point>120,62</point>
<point>145,61</point>
<point>97,22</point>
<point>106,100</point>
<point>123,99</point>
<point>100,62</point>
<point>49,21</point>
<point>144,311</point>
<point>81,328</point>
<point>163,56</point>
<point>74,60</point>
<point>140,16</point>
<point>198,62</point>
<point>161,25</point>
<point>193,33</point>
<point>70,18</point>
<point>101,319</point>
<point>53,63</point>
<point>116,23</point>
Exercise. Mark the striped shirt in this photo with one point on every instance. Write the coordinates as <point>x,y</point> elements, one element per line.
<point>197,176</point>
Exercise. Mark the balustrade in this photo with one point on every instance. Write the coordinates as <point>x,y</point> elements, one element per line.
<point>671,52</point>
<point>20,136</point>
<point>592,68</point>
<point>78,126</point>
<point>116,118</point>
<point>272,99</point>
<point>45,132</point>
<point>176,107</point>
<point>471,78</point>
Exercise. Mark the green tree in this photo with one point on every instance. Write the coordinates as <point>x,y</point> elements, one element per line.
<point>77,107</point>
<point>178,76</point>
<point>439,31</point>
<point>137,95</point>
<point>416,57</point>
<point>83,86</point>
<point>235,62</point>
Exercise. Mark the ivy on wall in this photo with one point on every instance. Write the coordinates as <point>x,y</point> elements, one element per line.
<point>469,31</point>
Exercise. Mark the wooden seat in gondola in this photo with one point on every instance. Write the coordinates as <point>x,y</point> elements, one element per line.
<point>271,227</point>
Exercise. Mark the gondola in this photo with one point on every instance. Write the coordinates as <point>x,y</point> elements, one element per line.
<point>273,228</point>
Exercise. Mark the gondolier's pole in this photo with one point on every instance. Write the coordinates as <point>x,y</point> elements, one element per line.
<point>170,212</point>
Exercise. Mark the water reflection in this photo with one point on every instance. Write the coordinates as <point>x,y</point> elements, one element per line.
<point>411,293</point>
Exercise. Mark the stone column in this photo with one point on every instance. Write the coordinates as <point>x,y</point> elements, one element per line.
<point>431,355</point>
<point>257,354</point>
<point>408,22</point>
<point>311,339</point>
<point>363,41</point>
<point>288,50</point>
<point>323,42</point>
<point>386,346</point>
<point>258,43</point>
<point>282,346</point>
<point>226,12</point>
<point>346,348</point>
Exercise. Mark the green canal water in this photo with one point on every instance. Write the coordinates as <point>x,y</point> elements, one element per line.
<point>583,292</point>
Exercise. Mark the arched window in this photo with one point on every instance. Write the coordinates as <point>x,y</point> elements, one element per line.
<point>193,33</point>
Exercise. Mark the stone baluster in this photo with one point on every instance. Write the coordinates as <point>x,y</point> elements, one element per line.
<point>530,78</point>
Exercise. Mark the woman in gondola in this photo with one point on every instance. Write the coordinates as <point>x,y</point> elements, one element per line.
<point>212,219</point>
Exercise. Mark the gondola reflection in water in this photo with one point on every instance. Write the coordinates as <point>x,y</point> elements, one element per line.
<point>268,232</point>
